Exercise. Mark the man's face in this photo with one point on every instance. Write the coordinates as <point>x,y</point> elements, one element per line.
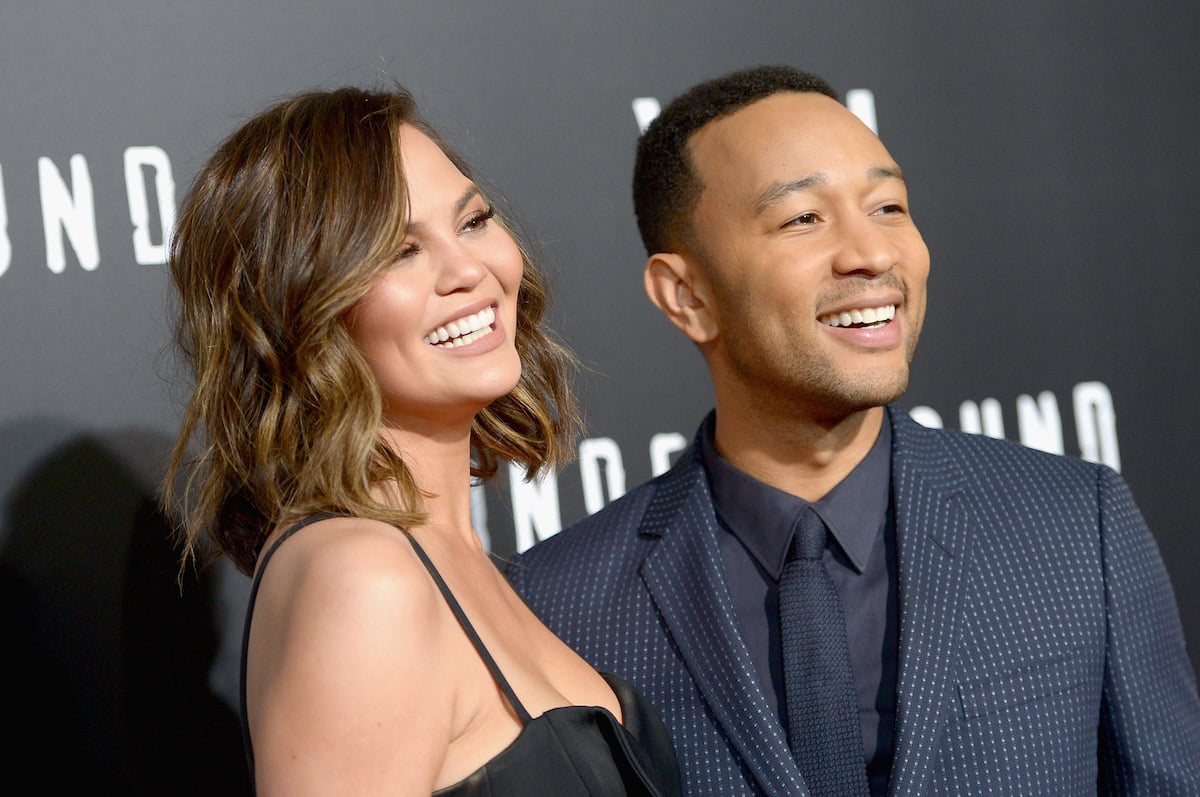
<point>814,269</point>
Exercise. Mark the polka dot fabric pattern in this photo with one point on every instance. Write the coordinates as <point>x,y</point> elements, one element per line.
<point>1040,647</point>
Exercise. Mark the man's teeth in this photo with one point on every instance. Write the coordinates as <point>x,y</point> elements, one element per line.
<point>868,316</point>
<point>463,331</point>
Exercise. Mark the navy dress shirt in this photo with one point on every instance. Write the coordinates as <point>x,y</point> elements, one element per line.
<point>861,558</point>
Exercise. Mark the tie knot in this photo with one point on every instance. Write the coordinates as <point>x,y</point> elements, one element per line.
<point>808,541</point>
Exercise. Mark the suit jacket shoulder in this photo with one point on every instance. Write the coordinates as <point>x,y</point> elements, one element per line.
<point>1038,570</point>
<point>598,554</point>
<point>983,458</point>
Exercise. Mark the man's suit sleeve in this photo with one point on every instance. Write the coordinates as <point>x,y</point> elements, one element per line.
<point>1150,714</point>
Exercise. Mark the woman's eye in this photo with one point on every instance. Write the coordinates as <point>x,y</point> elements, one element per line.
<point>407,251</point>
<point>479,220</point>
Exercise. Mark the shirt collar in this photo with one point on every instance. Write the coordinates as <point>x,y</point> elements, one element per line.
<point>762,517</point>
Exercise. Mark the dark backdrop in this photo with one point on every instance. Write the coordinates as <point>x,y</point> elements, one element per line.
<point>1051,152</point>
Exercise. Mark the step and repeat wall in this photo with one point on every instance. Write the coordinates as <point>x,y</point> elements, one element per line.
<point>1051,155</point>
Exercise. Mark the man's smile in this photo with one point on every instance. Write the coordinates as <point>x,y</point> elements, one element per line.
<point>865,317</point>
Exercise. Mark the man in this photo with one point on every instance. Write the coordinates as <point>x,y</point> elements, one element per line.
<point>1002,621</point>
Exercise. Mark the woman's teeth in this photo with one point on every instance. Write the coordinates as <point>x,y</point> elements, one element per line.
<point>463,331</point>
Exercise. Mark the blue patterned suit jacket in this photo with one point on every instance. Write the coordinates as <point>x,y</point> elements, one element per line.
<point>1041,651</point>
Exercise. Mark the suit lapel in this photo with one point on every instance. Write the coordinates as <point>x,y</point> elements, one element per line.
<point>684,576</point>
<point>933,522</point>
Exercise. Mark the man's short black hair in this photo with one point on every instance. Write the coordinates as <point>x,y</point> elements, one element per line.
<point>665,187</point>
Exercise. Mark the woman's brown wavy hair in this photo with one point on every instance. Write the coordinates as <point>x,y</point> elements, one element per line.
<point>283,231</point>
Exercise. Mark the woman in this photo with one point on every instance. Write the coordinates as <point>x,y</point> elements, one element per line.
<point>366,338</point>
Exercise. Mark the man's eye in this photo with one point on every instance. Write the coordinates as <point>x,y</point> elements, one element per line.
<point>805,218</point>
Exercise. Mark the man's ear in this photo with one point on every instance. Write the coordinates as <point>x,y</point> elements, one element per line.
<point>682,295</point>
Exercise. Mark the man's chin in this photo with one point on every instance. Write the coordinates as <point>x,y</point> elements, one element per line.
<point>858,396</point>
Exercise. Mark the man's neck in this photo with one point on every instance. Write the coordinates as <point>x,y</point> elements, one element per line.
<point>798,455</point>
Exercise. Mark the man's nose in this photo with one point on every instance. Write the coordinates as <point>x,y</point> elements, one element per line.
<point>865,246</point>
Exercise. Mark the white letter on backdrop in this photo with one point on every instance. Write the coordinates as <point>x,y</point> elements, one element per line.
<point>591,451</point>
<point>982,418</point>
<point>861,103</point>
<point>145,251</point>
<point>662,446</point>
<point>5,243</point>
<point>1039,423</point>
<point>74,212</point>
<point>926,416</point>
<point>645,110</point>
<point>534,505</point>
<point>1096,424</point>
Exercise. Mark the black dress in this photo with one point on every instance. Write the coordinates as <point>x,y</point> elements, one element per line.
<point>567,751</point>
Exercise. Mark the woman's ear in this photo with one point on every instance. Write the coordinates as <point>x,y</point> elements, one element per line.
<point>678,290</point>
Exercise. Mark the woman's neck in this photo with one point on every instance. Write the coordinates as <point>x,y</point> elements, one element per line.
<point>440,463</point>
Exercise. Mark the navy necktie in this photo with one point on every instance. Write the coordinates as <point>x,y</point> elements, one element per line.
<point>822,707</point>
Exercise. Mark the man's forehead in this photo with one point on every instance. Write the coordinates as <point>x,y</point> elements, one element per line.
<point>809,133</point>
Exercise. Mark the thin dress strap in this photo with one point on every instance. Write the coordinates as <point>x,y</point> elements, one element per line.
<point>262,566</point>
<point>461,616</point>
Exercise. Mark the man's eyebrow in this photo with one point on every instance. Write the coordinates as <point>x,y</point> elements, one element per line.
<point>886,173</point>
<point>777,192</point>
<point>459,204</point>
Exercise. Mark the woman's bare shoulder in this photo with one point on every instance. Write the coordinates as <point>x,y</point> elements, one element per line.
<point>351,661</point>
<point>350,572</point>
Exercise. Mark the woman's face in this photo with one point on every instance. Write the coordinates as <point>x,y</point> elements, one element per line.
<point>437,328</point>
